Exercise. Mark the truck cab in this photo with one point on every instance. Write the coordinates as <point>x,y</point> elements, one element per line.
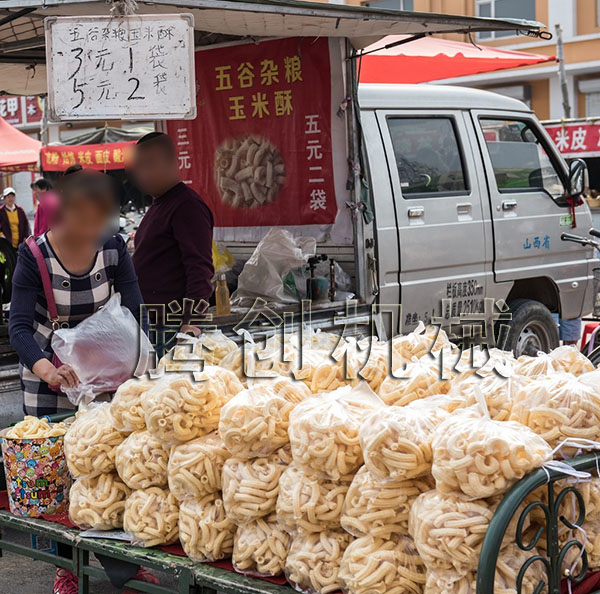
<point>470,198</point>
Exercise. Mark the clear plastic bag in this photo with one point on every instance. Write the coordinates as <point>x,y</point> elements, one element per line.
<point>510,561</point>
<point>152,517</point>
<point>324,430</point>
<point>251,487</point>
<point>374,365</point>
<point>314,559</point>
<point>98,502</point>
<point>309,503</point>
<point>423,340</point>
<point>254,423</point>
<point>379,508</point>
<point>195,467</point>
<point>570,359</point>
<point>179,408</point>
<point>210,348</point>
<point>557,408</point>
<point>421,378</point>
<point>326,371</point>
<point>205,532</point>
<point>373,565</point>
<point>105,350</point>
<point>536,367</point>
<point>141,461</point>
<point>127,406</point>
<point>482,457</point>
<point>91,442</point>
<point>396,441</point>
<point>260,548</point>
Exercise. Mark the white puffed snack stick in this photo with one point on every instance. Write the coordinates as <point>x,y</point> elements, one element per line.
<point>127,406</point>
<point>141,461</point>
<point>481,457</point>
<point>195,467</point>
<point>91,443</point>
<point>260,548</point>
<point>152,517</point>
<point>33,428</point>
<point>378,507</point>
<point>314,559</point>
<point>396,441</point>
<point>180,408</point>
<point>324,430</point>
<point>378,566</point>
<point>98,502</point>
<point>308,503</point>
<point>205,531</point>
<point>251,487</point>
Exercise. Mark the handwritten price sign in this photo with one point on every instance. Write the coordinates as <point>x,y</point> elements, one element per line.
<point>136,67</point>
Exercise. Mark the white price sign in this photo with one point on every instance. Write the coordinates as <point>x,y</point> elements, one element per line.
<point>134,67</point>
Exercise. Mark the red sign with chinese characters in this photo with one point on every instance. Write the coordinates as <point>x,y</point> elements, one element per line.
<point>102,157</point>
<point>576,139</point>
<point>259,151</point>
<point>19,111</point>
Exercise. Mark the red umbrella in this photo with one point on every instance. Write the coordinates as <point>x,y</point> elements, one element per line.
<point>431,58</point>
<point>18,151</point>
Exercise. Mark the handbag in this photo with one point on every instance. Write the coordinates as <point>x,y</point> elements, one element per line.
<point>49,294</point>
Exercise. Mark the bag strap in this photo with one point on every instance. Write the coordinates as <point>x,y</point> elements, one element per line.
<point>45,275</point>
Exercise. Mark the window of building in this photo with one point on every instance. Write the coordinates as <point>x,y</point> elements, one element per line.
<point>519,158</point>
<point>590,87</point>
<point>500,9</point>
<point>392,4</point>
<point>428,156</point>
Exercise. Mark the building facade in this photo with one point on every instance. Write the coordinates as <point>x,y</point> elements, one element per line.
<point>539,86</point>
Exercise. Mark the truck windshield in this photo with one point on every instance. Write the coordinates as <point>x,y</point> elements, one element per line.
<point>519,158</point>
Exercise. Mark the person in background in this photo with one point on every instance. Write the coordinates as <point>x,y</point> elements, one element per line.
<point>173,244</point>
<point>47,202</point>
<point>14,225</point>
<point>84,270</point>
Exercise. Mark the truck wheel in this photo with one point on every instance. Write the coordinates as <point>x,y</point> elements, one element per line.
<point>531,329</point>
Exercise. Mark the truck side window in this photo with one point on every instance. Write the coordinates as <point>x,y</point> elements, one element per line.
<point>428,156</point>
<point>519,158</point>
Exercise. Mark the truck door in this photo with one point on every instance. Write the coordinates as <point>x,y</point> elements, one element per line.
<point>527,183</point>
<point>438,213</point>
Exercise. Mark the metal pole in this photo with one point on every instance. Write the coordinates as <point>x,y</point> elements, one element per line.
<point>562,73</point>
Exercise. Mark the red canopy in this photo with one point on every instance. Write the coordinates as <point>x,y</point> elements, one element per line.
<point>431,58</point>
<point>18,151</point>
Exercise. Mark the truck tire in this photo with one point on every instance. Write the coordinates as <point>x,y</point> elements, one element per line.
<point>530,330</point>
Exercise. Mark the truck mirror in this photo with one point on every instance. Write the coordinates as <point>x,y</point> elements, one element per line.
<point>578,178</point>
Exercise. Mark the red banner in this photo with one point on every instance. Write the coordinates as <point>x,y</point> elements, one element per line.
<point>114,155</point>
<point>259,151</point>
<point>576,139</point>
<point>19,111</point>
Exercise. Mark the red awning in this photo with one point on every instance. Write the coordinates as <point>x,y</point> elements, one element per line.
<point>431,58</point>
<point>18,151</point>
<point>112,155</point>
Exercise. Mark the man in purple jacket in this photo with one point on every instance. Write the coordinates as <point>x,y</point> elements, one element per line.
<point>173,245</point>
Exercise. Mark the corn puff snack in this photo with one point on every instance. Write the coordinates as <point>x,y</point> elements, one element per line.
<point>536,367</point>
<point>206,533</point>
<point>179,409</point>
<point>141,461</point>
<point>260,548</point>
<point>396,441</point>
<point>379,508</point>
<point>309,503</point>
<point>251,487</point>
<point>152,517</point>
<point>91,443</point>
<point>377,566</point>
<point>559,407</point>
<point>254,423</point>
<point>34,428</point>
<point>127,406</point>
<point>324,430</point>
<point>195,467</point>
<point>98,502</point>
<point>570,359</point>
<point>314,560</point>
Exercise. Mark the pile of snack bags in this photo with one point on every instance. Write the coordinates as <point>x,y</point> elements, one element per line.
<point>377,470</point>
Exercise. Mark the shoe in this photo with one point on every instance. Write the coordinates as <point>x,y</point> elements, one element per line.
<point>65,582</point>
<point>143,575</point>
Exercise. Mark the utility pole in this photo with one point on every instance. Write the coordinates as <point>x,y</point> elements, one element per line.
<point>562,73</point>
